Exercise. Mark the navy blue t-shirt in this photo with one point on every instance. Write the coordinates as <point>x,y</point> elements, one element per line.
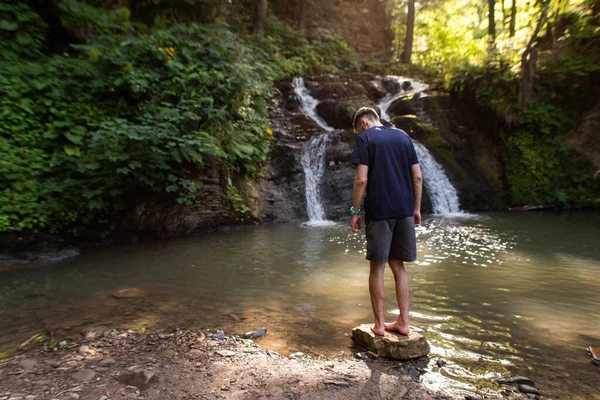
<point>389,153</point>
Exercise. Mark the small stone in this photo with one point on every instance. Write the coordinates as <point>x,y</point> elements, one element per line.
<point>28,364</point>
<point>90,335</point>
<point>392,345</point>
<point>195,352</point>
<point>30,397</point>
<point>85,350</point>
<point>128,293</point>
<point>256,334</point>
<point>440,362</point>
<point>107,362</point>
<point>84,375</point>
<point>360,356</point>
<point>103,398</point>
<point>168,353</point>
<point>296,355</point>
<point>414,372</point>
<point>225,353</point>
<point>137,376</point>
<point>74,396</point>
<point>528,389</point>
<point>337,383</point>
<point>218,336</point>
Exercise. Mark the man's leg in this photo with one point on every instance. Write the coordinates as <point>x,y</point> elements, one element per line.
<point>376,292</point>
<point>402,296</point>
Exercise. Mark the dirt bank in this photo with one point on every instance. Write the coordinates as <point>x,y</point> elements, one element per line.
<point>192,365</point>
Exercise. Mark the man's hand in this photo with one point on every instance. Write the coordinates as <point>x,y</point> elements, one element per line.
<point>417,217</point>
<point>355,223</point>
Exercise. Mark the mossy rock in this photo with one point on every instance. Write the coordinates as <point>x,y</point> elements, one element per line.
<point>403,106</point>
<point>339,113</point>
<point>337,90</point>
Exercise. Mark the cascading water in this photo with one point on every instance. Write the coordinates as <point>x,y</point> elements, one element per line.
<point>313,163</point>
<point>309,103</point>
<point>406,87</point>
<point>313,156</point>
<point>444,199</point>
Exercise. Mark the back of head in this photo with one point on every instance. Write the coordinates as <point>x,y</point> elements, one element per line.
<point>367,114</point>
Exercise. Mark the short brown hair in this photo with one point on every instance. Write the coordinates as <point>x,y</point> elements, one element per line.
<point>369,112</point>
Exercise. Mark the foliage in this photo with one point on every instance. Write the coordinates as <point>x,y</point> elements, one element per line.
<point>126,113</point>
<point>542,170</point>
<point>236,200</point>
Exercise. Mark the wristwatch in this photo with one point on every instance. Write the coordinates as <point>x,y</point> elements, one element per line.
<point>354,212</point>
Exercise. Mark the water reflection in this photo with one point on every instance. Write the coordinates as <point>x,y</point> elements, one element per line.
<point>503,293</point>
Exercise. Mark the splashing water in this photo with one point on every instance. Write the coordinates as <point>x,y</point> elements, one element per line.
<point>309,103</point>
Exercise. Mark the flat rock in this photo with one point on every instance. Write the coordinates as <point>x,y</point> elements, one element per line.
<point>595,351</point>
<point>107,362</point>
<point>168,353</point>
<point>392,345</point>
<point>84,375</point>
<point>137,376</point>
<point>225,353</point>
<point>28,364</point>
<point>514,381</point>
<point>128,293</point>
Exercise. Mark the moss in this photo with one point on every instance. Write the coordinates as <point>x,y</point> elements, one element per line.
<point>3,355</point>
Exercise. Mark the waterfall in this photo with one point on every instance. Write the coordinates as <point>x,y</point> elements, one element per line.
<point>406,87</point>
<point>309,103</point>
<point>313,163</point>
<point>444,199</point>
<point>313,156</point>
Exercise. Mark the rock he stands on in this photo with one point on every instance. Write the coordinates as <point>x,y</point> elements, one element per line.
<point>392,345</point>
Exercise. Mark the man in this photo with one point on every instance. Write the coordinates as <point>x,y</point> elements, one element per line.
<point>389,171</point>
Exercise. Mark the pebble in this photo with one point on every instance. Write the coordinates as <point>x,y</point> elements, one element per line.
<point>195,352</point>
<point>256,334</point>
<point>28,364</point>
<point>107,362</point>
<point>84,375</point>
<point>168,353</point>
<point>414,372</point>
<point>440,362</point>
<point>296,355</point>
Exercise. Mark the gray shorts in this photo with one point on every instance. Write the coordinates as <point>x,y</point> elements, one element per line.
<point>392,239</point>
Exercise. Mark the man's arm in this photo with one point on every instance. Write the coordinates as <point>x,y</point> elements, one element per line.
<point>417,179</point>
<point>360,185</point>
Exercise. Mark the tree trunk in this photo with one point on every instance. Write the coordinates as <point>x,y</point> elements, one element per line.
<point>503,16</point>
<point>302,16</point>
<point>513,18</point>
<point>529,61</point>
<point>410,30</point>
<point>262,7</point>
<point>491,21</point>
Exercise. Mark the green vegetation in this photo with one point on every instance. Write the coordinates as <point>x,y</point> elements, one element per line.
<point>125,110</point>
<point>535,70</point>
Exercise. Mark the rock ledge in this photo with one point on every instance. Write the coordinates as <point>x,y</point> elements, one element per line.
<point>393,345</point>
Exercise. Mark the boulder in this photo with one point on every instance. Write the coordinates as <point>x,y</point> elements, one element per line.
<point>338,113</point>
<point>392,345</point>
<point>403,106</point>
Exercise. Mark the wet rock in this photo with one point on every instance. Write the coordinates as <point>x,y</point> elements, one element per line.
<point>338,113</point>
<point>391,84</point>
<point>528,389</point>
<point>27,364</point>
<point>225,353</point>
<point>296,355</point>
<point>85,375</point>
<point>595,352</point>
<point>107,362</point>
<point>372,356</point>
<point>414,372</point>
<point>218,336</point>
<point>403,106</point>
<point>392,345</point>
<point>256,334</point>
<point>128,293</point>
<point>440,363</point>
<point>514,381</point>
<point>137,376</point>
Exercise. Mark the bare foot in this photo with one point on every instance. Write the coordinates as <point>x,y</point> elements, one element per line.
<point>378,331</point>
<point>397,327</point>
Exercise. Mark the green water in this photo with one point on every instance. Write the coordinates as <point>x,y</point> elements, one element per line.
<point>503,293</point>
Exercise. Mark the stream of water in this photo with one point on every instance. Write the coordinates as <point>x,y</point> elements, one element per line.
<point>505,293</point>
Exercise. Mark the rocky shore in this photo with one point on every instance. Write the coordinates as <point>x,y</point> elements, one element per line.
<point>189,364</point>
